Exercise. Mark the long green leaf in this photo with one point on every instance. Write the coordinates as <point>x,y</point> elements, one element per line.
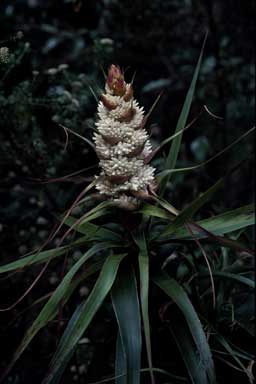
<point>174,150</point>
<point>62,293</point>
<point>87,311</point>
<point>232,350</point>
<point>153,211</point>
<point>98,211</point>
<point>167,172</point>
<point>221,224</point>
<point>144,287</point>
<point>179,296</point>
<point>126,306</point>
<point>230,276</point>
<point>190,210</point>
<point>88,229</point>
<point>72,322</point>
<point>93,231</point>
<point>90,270</point>
<point>182,336</point>
<point>232,353</point>
<point>120,362</point>
<point>40,257</point>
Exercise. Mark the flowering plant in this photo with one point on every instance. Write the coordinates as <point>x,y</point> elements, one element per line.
<point>129,240</point>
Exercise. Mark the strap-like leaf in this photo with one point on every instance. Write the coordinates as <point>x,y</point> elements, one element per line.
<point>62,293</point>
<point>35,258</point>
<point>226,345</point>
<point>126,306</point>
<point>190,210</point>
<point>230,276</point>
<point>40,257</point>
<point>187,347</point>
<point>220,224</point>
<point>144,286</point>
<point>175,147</point>
<point>154,211</point>
<point>179,296</point>
<point>120,362</point>
<point>93,231</point>
<point>167,172</point>
<point>87,311</point>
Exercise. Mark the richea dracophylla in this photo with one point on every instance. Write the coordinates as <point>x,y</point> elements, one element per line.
<point>126,241</point>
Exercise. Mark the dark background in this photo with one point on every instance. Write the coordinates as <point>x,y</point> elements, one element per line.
<point>161,42</point>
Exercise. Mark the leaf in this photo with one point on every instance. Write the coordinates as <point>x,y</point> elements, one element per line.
<point>87,311</point>
<point>220,224</point>
<point>179,296</point>
<point>91,269</point>
<point>69,327</point>
<point>232,353</point>
<point>192,208</point>
<point>187,348</point>
<point>167,206</point>
<point>152,210</point>
<point>120,363</point>
<point>174,150</point>
<point>88,229</point>
<point>126,306</point>
<point>101,209</point>
<point>144,286</point>
<point>231,276</point>
<point>93,231</point>
<point>40,257</point>
<point>167,172</point>
<point>49,311</point>
<point>98,211</point>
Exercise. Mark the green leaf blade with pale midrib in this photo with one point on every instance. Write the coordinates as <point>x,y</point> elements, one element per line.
<point>69,341</point>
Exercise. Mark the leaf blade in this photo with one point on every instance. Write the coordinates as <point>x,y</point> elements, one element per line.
<point>179,296</point>
<point>174,150</point>
<point>93,231</point>
<point>50,309</point>
<point>192,208</point>
<point>126,306</point>
<point>221,224</point>
<point>120,362</point>
<point>144,288</point>
<point>187,348</point>
<point>88,309</point>
<point>231,276</point>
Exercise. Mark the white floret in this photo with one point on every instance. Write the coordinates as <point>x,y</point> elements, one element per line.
<point>120,110</point>
<point>130,142</point>
<point>121,166</point>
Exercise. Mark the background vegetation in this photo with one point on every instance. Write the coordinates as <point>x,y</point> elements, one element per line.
<point>54,69</point>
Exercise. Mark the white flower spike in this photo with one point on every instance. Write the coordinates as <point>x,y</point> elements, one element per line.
<point>122,145</point>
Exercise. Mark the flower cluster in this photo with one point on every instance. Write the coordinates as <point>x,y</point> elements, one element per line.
<point>122,144</point>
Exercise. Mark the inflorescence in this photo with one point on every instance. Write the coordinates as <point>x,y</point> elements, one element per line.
<point>122,144</point>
